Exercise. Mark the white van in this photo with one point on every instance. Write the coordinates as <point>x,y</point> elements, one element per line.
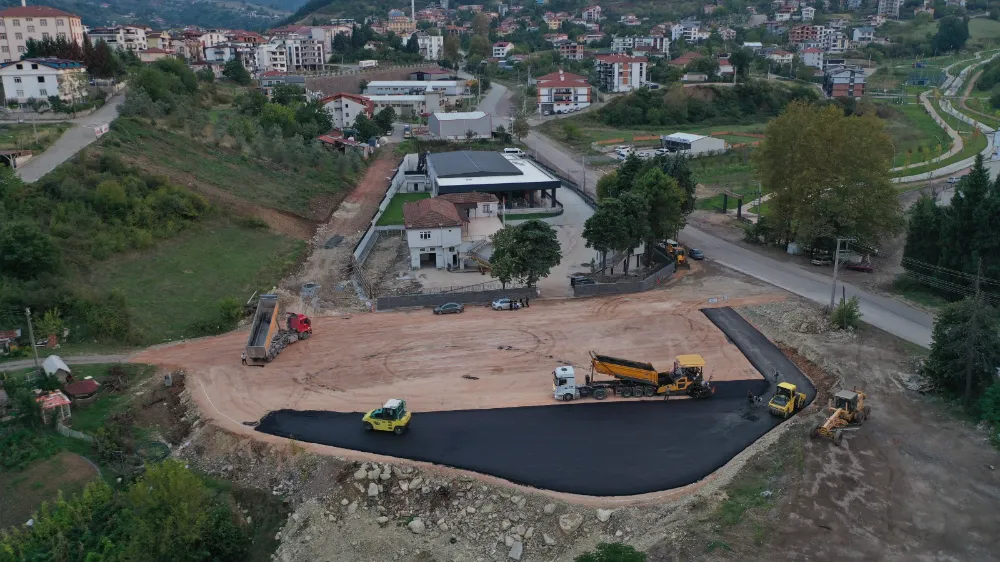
<point>513,151</point>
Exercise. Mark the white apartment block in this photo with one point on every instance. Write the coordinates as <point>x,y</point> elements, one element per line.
<point>658,44</point>
<point>344,108</point>
<point>20,23</point>
<point>621,73</point>
<point>431,47</point>
<point>225,52</point>
<point>121,37</point>
<point>302,52</point>
<point>271,57</point>
<point>889,8</point>
<point>44,77</point>
<point>501,49</point>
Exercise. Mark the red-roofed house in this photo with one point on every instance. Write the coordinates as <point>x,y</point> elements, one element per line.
<point>81,390</point>
<point>154,54</point>
<point>444,231</point>
<point>344,108</point>
<point>20,23</point>
<point>561,91</point>
<point>621,73</point>
<point>502,48</point>
<point>685,59</point>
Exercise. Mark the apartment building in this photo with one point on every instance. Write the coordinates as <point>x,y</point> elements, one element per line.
<point>121,37</point>
<point>501,49</point>
<point>225,52</point>
<point>844,81</point>
<point>20,23</point>
<point>344,108</point>
<point>592,13</point>
<point>812,57</point>
<point>569,50</point>
<point>561,91</point>
<point>271,57</point>
<point>621,73</point>
<point>41,78</point>
<point>889,8</point>
<point>652,43</point>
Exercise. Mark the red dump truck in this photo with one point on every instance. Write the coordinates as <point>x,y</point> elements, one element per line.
<point>269,333</point>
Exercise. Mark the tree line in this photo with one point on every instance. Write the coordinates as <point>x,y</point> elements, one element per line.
<point>101,60</point>
<point>755,100</point>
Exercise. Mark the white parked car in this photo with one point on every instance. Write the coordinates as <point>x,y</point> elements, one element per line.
<point>646,154</point>
<point>952,179</point>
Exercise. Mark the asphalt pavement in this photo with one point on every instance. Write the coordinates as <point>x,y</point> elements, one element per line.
<point>70,143</point>
<point>586,447</point>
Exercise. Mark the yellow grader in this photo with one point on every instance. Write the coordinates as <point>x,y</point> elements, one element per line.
<point>848,407</point>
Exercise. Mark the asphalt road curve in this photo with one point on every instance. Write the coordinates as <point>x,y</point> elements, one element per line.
<point>584,447</point>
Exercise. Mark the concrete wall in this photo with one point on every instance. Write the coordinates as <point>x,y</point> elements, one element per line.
<point>471,297</point>
<point>646,284</point>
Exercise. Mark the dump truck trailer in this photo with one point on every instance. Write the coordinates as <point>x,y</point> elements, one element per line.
<point>269,335</point>
<point>633,378</point>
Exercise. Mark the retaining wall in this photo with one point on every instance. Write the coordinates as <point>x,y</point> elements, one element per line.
<point>646,284</point>
<point>471,297</point>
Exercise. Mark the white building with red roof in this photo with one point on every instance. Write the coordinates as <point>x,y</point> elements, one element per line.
<point>561,92</point>
<point>344,108</point>
<point>501,49</point>
<point>20,23</point>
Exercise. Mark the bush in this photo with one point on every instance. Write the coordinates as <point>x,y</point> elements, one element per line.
<point>612,552</point>
<point>847,314</point>
<point>989,405</point>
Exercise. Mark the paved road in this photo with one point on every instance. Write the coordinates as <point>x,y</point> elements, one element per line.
<point>71,360</point>
<point>587,447</point>
<point>70,143</point>
<point>887,314</point>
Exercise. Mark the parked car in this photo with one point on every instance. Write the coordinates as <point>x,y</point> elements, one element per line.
<point>503,304</point>
<point>696,254</point>
<point>864,266</point>
<point>953,179</point>
<point>661,151</point>
<point>646,154</point>
<point>450,308</point>
<point>822,260</point>
<point>580,279</point>
<point>513,151</point>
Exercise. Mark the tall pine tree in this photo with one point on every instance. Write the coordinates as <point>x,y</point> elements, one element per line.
<point>923,235</point>
<point>960,228</point>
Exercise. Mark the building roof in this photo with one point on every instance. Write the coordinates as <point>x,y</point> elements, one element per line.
<point>865,29</point>
<point>53,399</point>
<point>415,84</point>
<point>430,213</point>
<point>34,12</point>
<point>80,388</point>
<point>460,116</point>
<point>686,58</point>
<point>469,197</point>
<point>620,58</point>
<point>471,164</point>
<point>561,77</point>
<point>684,137</point>
<point>54,364</point>
<point>395,97</point>
<point>51,62</point>
<point>502,44</point>
<point>364,100</point>
<point>811,50</point>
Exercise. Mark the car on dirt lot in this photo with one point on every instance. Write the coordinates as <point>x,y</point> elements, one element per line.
<point>503,304</point>
<point>450,308</point>
<point>580,280</point>
<point>864,266</point>
<point>696,254</point>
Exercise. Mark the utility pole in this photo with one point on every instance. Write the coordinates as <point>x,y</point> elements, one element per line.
<point>31,334</point>
<point>583,160</point>
<point>836,266</point>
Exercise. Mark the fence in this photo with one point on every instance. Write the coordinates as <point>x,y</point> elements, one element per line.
<point>463,297</point>
<point>73,433</point>
<point>367,242</point>
<point>638,286</point>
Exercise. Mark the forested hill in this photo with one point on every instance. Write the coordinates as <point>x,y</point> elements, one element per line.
<point>256,15</point>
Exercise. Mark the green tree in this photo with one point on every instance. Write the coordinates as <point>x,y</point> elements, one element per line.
<point>503,262</point>
<point>250,103</point>
<point>280,116</point>
<point>847,314</point>
<point>952,33</point>
<point>847,192</point>
<point>205,75</point>
<point>451,47</point>
<point>571,131</point>
<point>288,94</point>
<point>527,253</point>
<point>665,203</point>
<point>25,251</point>
<point>612,552</point>
<point>923,233</point>
<point>235,71</point>
<point>605,230</point>
<point>520,128</point>
<point>481,24</point>
<point>366,128</point>
<point>962,220</point>
<point>51,323</point>
<point>385,118</point>
<point>965,349</point>
<point>480,46</point>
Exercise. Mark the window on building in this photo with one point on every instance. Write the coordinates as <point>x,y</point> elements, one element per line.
<point>29,19</point>
<point>20,93</point>
<point>43,22</point>
<point>34,66</point>
<point>20,66</point>
<point>18,36</point>
<point>486,208</point>
<point>31,29</point>
<point>4,49</point>
<point>41,79</point>
<point>20,49</point>
<point>17,79</point>
<point>62,34</point>
<point>60,22</point>
<point>43,92</point>
<point>17,23</point>
<point>425,235</point>
<point>3,36</point>
<point>45,35</point>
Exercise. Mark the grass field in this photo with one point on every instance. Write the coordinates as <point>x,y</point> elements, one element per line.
<point>178,283</point>
<point>591,130</point>
<point>394,212</point>
<point>308,192</point>
<point>972,145</point>
<point>22,492</point>
<point>37,138</point>
<point>715,202</point>
<point>911,128</point>
<point>983,29</point>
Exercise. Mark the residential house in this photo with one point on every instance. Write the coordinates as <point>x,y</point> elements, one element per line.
<point>726,68</point>
<point>877,20</point>
<point>808,13</point>
<point>844,81</point>
<point>621,73</point>
<point>804,33</point>
<point>592,13</point>
<point>447,230</point>
<point>268,80</point>
<point>40,78</point>
<point>838,23</point>
<point>344,108</point>
<point>836,43</point>
<point>271,57</point>
<point>153,54</point>
<point>781,57</point>
<point>560,91</point>
<point>754,46</point>
<point>20,23</point>
<point>54,366</point>
<point>555,37</point>
<point>812,57</point>
<point>685,59</point>
<point>569,50</point>
<point>225,52</point>
<point>863,35</point>
<point>630,20</point>
<point>122,37</point>
<point>431,47</point>
<point>591,37</point>
<point>889,8</point>
<point>727,33</point>
<point>650,43</point>
<point>159,40</point>
<point>784,14</point>
<point>501,49</point>
<point>688,30</point>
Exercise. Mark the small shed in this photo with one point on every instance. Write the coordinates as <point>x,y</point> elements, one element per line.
<point>55,366</point>
<point>56,403</point>
<point>82,390</point>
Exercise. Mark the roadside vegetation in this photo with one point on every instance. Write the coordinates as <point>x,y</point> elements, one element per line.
<point>25,136</point>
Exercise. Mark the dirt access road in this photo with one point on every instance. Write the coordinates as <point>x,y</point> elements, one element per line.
<point>479,359</point>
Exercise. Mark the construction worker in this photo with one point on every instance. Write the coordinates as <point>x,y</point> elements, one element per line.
<point>750,398</point>
<point>243,358</point>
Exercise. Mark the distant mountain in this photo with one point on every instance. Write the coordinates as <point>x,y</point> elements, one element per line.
<point>237,14</point>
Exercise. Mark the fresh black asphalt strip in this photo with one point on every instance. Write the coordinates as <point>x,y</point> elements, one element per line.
<point>593,448</point>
